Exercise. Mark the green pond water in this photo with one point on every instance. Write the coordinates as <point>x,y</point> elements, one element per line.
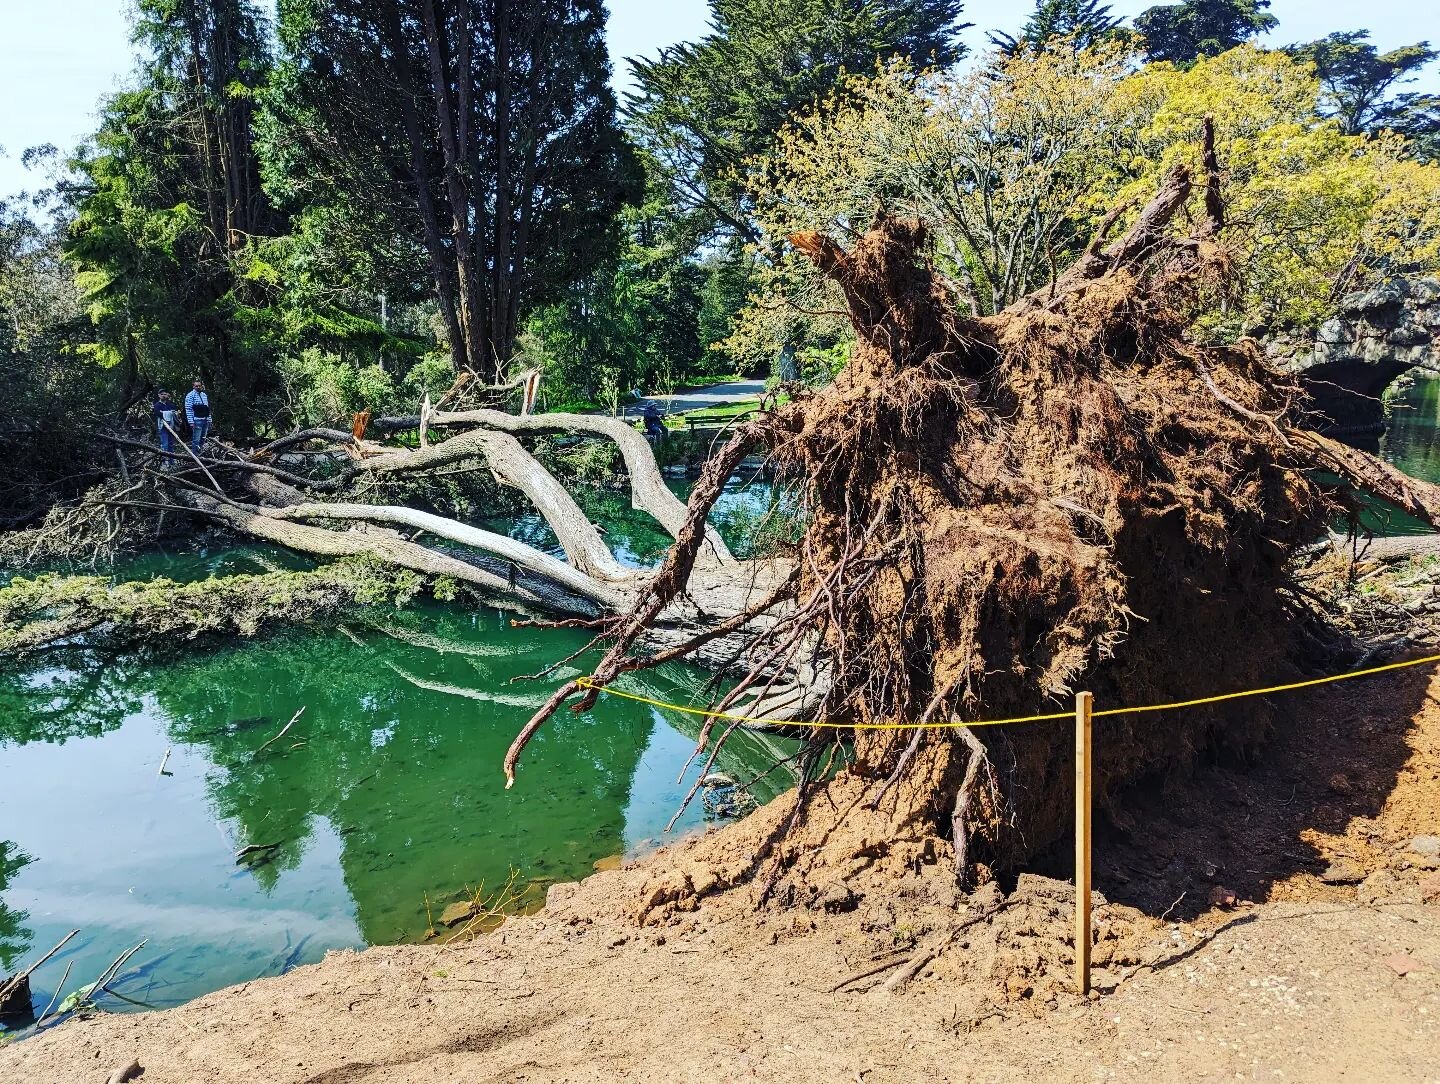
<point>385,793</point>
<point>1412,443</point>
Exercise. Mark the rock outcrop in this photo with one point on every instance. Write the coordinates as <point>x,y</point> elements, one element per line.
<point>1348,362</point>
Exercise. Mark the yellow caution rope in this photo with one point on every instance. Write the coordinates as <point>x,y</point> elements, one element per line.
<point>586,683</point>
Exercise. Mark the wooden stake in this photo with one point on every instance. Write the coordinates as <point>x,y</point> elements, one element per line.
<point>1082,842</point>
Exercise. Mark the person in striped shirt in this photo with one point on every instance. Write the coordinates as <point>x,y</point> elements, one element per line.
<point>197,413</point>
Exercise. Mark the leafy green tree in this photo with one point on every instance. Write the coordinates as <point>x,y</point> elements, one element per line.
<point>1359,84</point>
<point>1185,32</point>
<point>50,394</point>
<point>471,144</point>
<point>705,107</point>
<point>1083,22</point>
<point>730,275</point>
<point>1013,168</point>
<point>167,200</point>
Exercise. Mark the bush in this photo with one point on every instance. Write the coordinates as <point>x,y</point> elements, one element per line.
<point>322,388</point>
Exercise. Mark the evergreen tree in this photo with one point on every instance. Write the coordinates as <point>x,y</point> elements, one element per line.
<point>1085,22</point>
<point>49,396</point>
<point>473,139</point>
<point>1183,33</point>
<point>1359,83</point>
<point>704,107</point>
<point>167,199</point>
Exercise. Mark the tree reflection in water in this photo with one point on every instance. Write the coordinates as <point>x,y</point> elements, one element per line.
<point>399,751</point>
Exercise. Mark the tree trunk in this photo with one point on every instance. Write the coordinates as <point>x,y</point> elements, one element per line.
<point>469,307</point>
<point>441,269</point>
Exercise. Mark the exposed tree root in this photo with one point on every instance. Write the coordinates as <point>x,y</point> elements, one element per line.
<point>1070,494</point>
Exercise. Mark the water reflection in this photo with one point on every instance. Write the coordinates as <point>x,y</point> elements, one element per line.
<point>1411,442</point>
<point>1412,436</point>
<point>385,793</point>
<point>14,937</point>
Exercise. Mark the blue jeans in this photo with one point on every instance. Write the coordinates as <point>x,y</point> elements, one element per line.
<point>167,439</point>
<point>198,429</point>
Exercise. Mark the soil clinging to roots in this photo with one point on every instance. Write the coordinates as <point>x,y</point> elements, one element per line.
<point>999,511</point>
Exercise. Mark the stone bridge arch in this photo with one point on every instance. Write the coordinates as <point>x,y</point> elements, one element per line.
<point>1349,361</point>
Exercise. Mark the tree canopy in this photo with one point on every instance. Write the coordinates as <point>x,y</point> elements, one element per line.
<point>167,202</point>
<point>329,206</point>
<point>1185,32</point>
<point>480,136</point>
<point>1083,22</point>
<point>702,108</point>
<point>1013,168</point>
<point>1360,84</point>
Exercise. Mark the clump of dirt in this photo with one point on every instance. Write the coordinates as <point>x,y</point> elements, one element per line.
<point>1069,492</point>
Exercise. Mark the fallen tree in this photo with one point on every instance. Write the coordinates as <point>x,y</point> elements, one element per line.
<point>995,512</point>
<point>1073,493</point>
<point>313,490</point>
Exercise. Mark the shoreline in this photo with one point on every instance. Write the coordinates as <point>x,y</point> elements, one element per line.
<point>658,971</point>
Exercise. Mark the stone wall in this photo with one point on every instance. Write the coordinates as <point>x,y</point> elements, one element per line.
<point>1349,361</point>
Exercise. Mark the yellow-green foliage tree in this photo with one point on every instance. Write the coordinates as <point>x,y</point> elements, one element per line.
<point>1312,212</point>
<point>1014,165</point>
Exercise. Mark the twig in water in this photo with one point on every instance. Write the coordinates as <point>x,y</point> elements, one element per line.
<point>254,848</point>
<point>280,735</point>
<point>164,761</point>
<point>108,975</point>
<point>58,991</point>
<point>6,990</point>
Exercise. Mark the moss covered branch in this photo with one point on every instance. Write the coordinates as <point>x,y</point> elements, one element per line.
<point>52,609</point>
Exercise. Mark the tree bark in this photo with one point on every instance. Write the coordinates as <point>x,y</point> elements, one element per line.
<point>440,270</point>
<point>649,493</point>
<point>455,189</point>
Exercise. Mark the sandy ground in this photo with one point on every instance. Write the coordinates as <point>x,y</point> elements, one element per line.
<point>657,972</point>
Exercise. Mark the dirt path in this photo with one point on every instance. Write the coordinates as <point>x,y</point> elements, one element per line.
<point>652,973</point>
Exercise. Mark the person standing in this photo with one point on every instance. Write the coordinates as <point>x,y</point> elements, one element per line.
<point>197,413</point>
<point>166,413</point>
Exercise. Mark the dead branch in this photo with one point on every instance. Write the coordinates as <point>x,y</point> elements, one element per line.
<point>649,493</point>
<point>515,553</point>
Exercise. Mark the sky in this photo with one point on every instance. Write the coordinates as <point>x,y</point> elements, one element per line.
<point>58,58</point>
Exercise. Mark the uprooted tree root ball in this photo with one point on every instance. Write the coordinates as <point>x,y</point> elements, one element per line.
<point>1071,494</point>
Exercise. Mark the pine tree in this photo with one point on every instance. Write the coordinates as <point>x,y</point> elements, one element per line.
<point>703,108</point>
<point>479,134</point>
<point>1085,22</point>
<point>1183,33</point>
<point>1360,83</point>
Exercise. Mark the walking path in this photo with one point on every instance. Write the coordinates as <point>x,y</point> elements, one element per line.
<point>717,395</point>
